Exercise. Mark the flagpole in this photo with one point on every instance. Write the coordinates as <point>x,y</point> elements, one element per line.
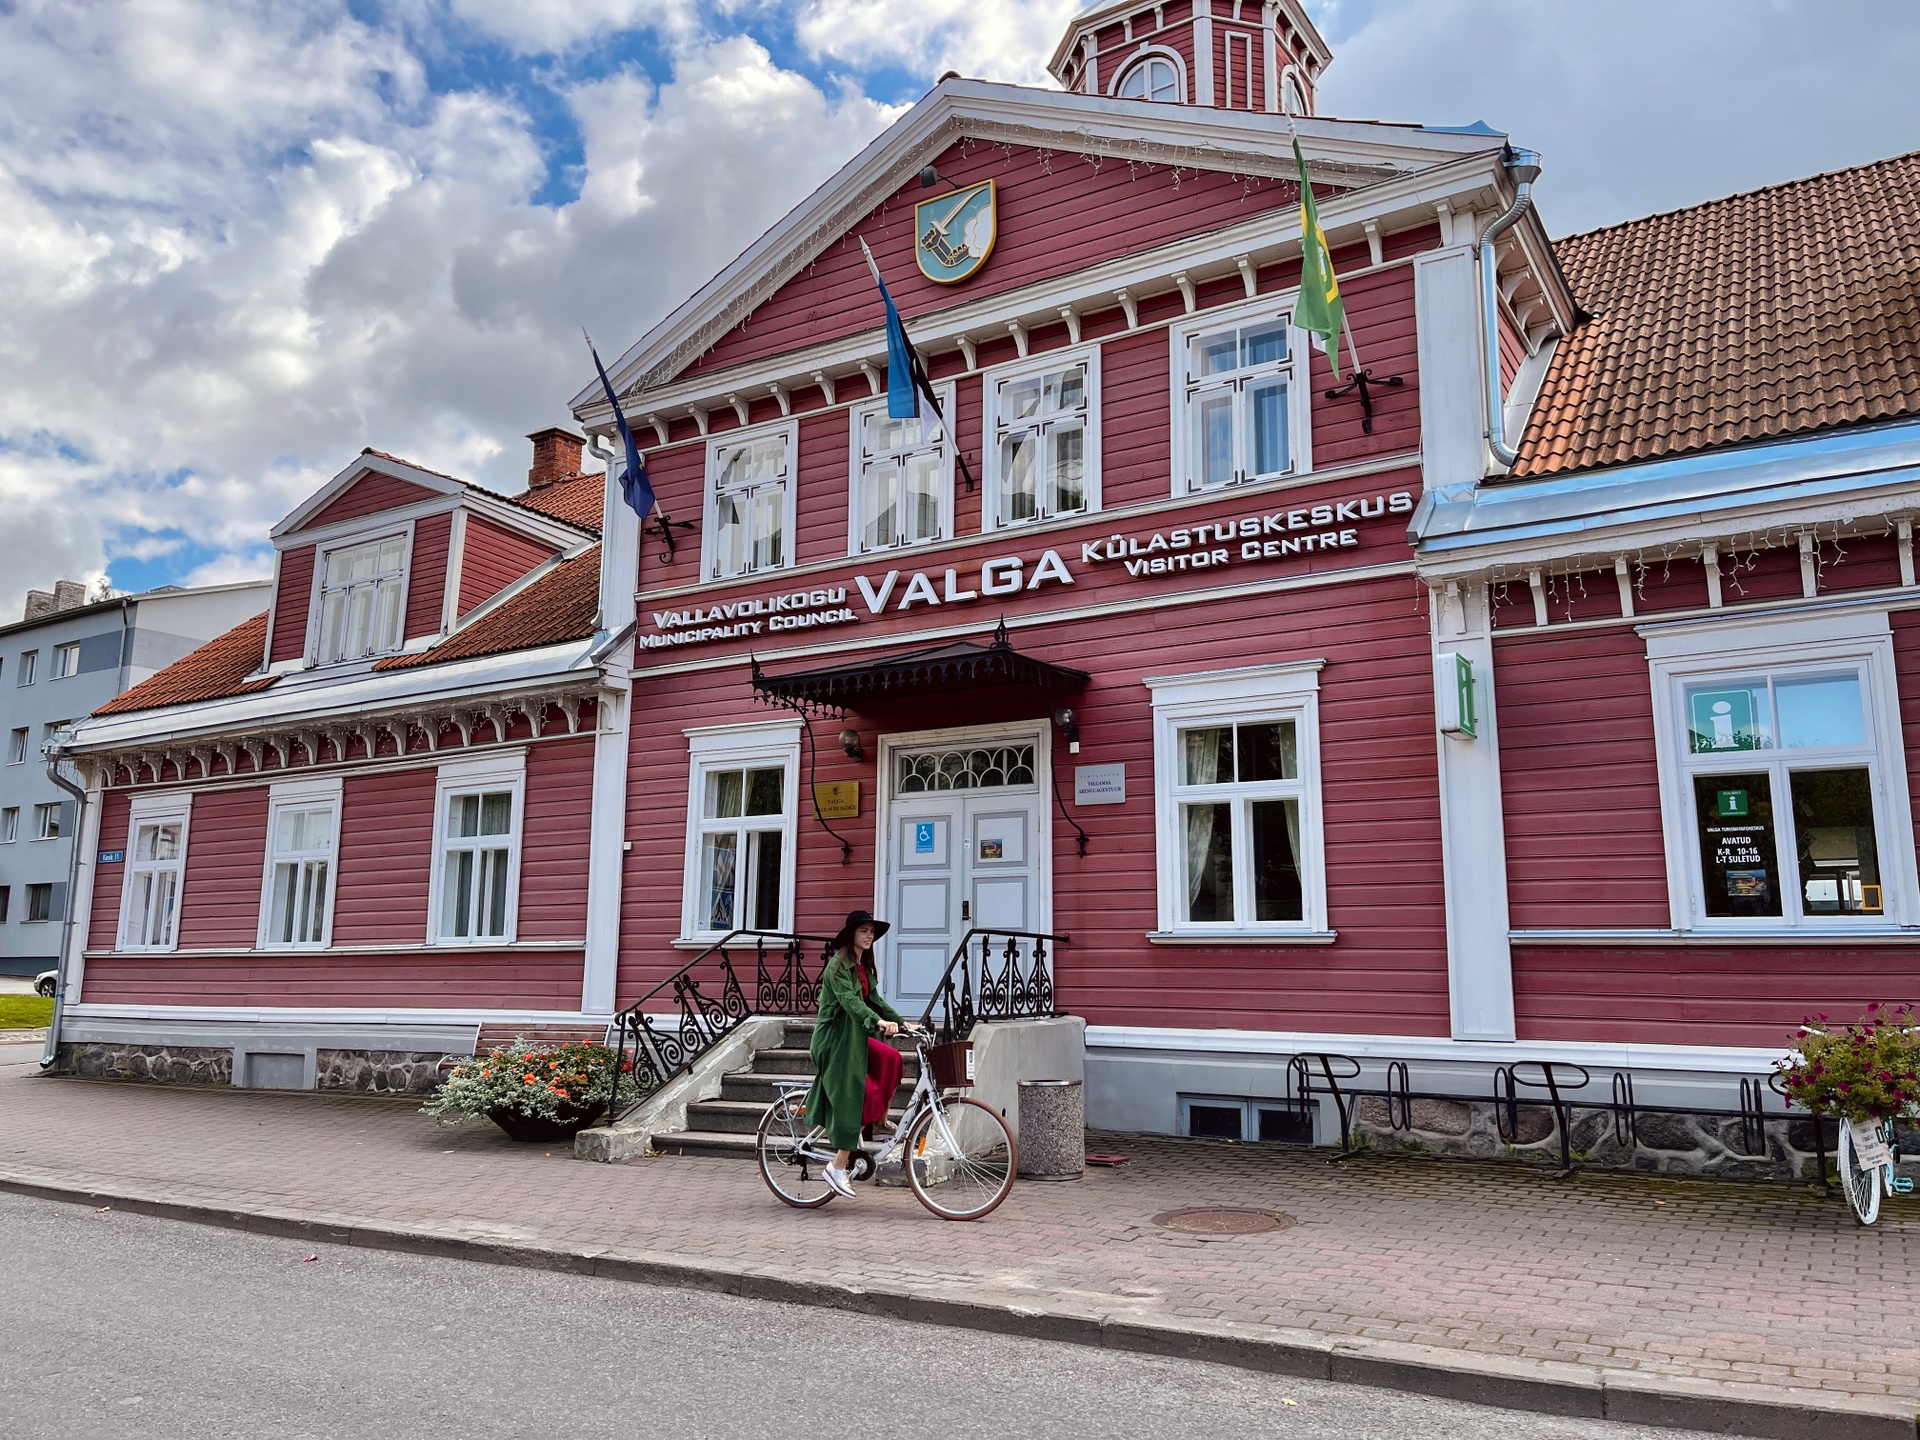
<point>1346,325</point>
<point>939,415</point>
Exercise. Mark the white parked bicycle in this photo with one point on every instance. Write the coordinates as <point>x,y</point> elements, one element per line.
<point>958,1155</point>
<point>1867,1154</point>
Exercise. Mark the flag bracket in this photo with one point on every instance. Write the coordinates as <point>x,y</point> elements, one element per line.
<point>1362,384</point>
<point>665,530</point>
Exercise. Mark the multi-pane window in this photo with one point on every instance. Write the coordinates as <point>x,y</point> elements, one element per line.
<point>1043,463</point>
<point>29,662</point>
<point>901,484</point>
<point>154,862</point>
<point>751,484</point>
<point>476,864</point>
<point>39,902</point>
<point>742,837</point>
<point>1154,78</point>
<point>360,599</point>
<point>9,825</point>
<point>1237,795</point>
<point>66,660</point>
<point>17,746</point>
<point>1239,404</point>
<point>46,821</point>
<point>300,873</point>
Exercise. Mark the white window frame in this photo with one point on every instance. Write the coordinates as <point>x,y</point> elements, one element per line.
<point>299,795</point>
<point>66,661</point>
<point>1250,695</point>
<point>316,603</point>
<point>1299,390</point>
<point>45,886</point>
<point>990,423</point>
<point>504,771</point>
<point>858,457</point>
<point>710,505</point>
<point>739,747</point>
<point>1690,653</point>
<point>29,664</point>
<point>154,810</point>
<point>43,812</point>
<point>17,744</point>
<point>1143,56</point>
<point>10,825</point>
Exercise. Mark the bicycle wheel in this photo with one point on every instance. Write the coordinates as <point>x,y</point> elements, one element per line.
<point>961,1159</point>
<point>793,1175</point>
<point>1861,1183</point>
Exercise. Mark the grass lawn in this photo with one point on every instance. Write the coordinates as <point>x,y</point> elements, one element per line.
<point>25,1012</point>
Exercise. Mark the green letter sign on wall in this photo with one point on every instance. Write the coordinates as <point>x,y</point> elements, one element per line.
<point>1453,693</point>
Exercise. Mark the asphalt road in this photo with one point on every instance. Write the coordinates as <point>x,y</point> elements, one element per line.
<point>132,1326</point>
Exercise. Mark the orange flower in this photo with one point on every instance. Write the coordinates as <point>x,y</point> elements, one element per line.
<point>531,1080</point>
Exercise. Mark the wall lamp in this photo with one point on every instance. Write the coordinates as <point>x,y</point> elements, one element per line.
<point>1069,727</point>
<point>850,743</point>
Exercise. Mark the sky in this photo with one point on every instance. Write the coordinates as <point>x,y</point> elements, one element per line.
<point>239,241</point>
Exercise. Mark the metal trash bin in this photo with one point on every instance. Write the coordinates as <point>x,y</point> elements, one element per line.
<point>1053,1130</point>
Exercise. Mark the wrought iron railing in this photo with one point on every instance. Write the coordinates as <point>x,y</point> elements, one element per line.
<point>1006,975</point>
<point>669,1028</point>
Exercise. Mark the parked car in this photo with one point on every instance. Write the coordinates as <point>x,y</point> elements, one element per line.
<point>45,981</point>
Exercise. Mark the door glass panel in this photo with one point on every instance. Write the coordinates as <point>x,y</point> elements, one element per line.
<point>1208,831</point>
<point>1737,849</point>
<point>1728,715</point>
<point>1276,860</point>
<point>983,768</point>
<point>1822,711</point>
<point>1833,822</point>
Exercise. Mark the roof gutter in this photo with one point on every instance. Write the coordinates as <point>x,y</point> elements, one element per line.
<point>1523,166</point>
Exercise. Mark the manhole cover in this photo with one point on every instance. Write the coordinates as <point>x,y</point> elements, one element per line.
<point>1224,1222</point>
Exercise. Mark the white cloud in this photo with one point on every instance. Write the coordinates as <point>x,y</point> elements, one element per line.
<point>1007,40</point>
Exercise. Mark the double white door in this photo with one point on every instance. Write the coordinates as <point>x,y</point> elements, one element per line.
<point>958,860</point>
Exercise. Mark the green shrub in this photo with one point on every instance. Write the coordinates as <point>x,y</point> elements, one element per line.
<point>550,1082</point>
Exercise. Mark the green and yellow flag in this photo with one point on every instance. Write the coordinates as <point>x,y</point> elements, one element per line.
<point>1319,309</point>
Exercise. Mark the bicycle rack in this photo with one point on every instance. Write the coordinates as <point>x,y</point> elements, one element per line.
<point>1819,1131</point>
<point>1301,1067</point>
<point>1753,1117</point>
<point>1626,1118</point>
<point>1507,1082</point>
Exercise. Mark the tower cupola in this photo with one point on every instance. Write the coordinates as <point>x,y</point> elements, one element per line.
<point>1259,55</point>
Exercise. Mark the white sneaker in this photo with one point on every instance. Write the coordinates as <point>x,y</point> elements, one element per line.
<point>837,1181</point>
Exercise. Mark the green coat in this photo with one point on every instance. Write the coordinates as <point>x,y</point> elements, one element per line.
<point>839,1048</point>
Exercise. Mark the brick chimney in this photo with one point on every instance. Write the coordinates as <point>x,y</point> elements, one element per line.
<point>556,456</point>
<point>68,594</point>
<point>39,602</point>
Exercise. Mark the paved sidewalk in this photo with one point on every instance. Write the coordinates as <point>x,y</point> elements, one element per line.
<point>1600,1280</point>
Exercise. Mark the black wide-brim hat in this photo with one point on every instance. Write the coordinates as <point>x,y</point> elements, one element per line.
<point>855,919</point>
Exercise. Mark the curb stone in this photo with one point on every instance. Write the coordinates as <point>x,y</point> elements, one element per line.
<point>1510,1383</point>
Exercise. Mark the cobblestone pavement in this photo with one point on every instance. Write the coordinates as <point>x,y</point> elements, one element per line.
<point>1764,1284</point>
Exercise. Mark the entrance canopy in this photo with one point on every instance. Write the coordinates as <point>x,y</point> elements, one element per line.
<point>937,670</point>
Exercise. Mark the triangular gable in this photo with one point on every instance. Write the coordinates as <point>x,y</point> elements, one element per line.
<point>1341,153</point>
<point>372,483</point>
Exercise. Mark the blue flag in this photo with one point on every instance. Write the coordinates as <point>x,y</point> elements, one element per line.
<point>903,401</point>
<point>635,488</point>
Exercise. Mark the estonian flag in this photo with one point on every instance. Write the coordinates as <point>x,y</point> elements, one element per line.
<point>635,488</point>
<point>906,376</point>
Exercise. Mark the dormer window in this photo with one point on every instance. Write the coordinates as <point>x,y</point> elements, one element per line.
<point>1156,77</point>
<point>362,589</point>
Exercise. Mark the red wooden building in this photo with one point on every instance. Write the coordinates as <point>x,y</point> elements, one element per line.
<point>1310,718</point>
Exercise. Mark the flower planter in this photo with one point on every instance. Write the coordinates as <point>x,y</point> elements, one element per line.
<point>538,1129</point>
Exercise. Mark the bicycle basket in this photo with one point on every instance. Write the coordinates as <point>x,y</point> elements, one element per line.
<point>951,1064</point>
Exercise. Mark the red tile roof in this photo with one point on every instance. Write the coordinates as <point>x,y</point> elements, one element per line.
<point>575,498</point>
<point>1768,314</point>
<point>215,671</point>
<point>562,605</point>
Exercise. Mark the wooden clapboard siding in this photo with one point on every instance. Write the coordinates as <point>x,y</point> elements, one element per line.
<point>1906,659</point>
<point>463,979</point>
<point>823,495</point>
<point>292,599</point>
<point>1386,973</point>
<point>1136,456</point>
<point>369,495</point>
<point>1380,310</point>
<point>427,575</point>
<point>1059,212</point>
<point>1578,781</point>
<point>109,881</point>
<point>1701,995</point>
<point>493,558</point>
<point>220,886</point>
<point>386,858</point>
<point>553,848</point>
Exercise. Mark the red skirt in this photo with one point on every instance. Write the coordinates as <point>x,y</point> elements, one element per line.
<point>884,1069</point>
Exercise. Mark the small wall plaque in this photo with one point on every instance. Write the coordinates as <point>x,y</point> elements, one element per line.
<point>1099,784</point>
<point>838,801</point>
<point>112,857</point>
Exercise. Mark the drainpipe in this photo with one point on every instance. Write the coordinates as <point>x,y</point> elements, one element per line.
<point>52,1051</point>
<point>1523,166</point>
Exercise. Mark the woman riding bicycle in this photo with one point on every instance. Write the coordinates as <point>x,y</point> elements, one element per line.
<point>857,1075</point>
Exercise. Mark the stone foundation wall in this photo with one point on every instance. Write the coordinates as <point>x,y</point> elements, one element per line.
<point>378,1072</point>
<point>1664,1143</point>
<point>169,1064</point>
